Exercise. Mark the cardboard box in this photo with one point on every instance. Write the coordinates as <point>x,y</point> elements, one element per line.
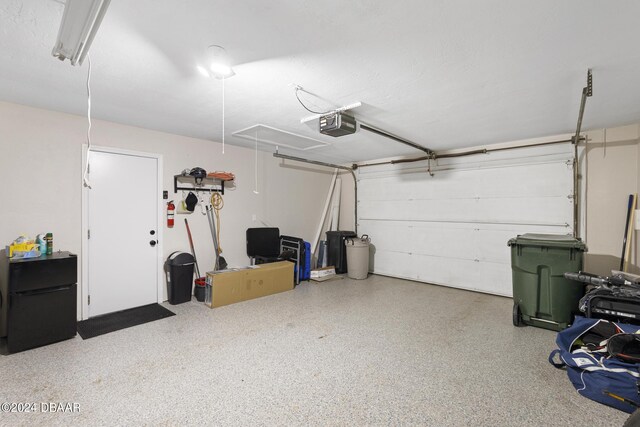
<point>241,284</point>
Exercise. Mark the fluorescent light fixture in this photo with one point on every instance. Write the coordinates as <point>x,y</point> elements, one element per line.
<point>219,63</point>
<point>80,22</point>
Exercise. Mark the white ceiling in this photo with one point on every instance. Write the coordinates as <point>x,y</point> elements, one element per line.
<point>444,74</point>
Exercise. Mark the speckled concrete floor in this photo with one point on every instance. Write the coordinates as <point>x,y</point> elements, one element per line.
<point>375,352</point>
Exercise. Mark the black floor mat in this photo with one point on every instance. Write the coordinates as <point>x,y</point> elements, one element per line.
<point>122,319</point>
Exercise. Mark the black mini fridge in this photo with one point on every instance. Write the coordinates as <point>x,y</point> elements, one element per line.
<point>38,300</point>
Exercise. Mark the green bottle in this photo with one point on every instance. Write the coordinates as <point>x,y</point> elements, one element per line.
<point>49,239</point>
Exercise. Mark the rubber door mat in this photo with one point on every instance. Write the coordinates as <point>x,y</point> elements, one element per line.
<point>111,322</point>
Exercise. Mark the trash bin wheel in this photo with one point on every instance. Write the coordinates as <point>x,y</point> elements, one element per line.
<point>517,315</point>
<point>633,420</point>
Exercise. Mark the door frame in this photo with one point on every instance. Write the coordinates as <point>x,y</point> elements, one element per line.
<point>84,288</point>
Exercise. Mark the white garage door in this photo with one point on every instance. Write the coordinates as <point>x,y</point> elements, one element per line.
<point>452,228</point>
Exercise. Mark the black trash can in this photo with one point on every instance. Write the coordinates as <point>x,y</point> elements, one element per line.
<point>337,253</point>
<point>179,268</point>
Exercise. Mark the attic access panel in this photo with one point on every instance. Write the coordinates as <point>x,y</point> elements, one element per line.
<point>278,137</point>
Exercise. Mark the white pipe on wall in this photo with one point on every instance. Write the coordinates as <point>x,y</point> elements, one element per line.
<point>325,210</point>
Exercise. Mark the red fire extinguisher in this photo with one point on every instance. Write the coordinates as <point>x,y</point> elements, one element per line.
<point>171,209</point>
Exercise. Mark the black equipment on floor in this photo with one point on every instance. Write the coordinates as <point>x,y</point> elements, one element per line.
<point>337,252</point>
<point>37,300</point>
<point>298,255</point>
<point>614,308</point>
<point>615,298</point>
<point>179,269</point>
<point>263,244</point>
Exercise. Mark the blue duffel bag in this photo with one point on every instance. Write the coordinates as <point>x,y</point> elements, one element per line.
<point>595,370</point>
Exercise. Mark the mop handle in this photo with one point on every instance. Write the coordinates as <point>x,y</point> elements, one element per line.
<point>193,251</point>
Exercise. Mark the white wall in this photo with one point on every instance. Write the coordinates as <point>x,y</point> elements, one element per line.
<point>347,202</point>
<point>41,170</point>
<point>612,174</point>
<point>290,210</point>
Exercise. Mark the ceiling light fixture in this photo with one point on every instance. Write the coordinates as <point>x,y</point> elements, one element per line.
<point>80,22</point>
<point>218,66</point>
<point>218,62</point>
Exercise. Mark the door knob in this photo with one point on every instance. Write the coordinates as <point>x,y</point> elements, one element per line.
<point>153,242</point>
<point>152,232</point>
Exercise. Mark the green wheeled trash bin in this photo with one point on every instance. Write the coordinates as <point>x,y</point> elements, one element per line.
<point>542,297</point>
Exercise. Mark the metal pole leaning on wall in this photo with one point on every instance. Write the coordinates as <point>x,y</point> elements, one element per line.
<point>330,165</point>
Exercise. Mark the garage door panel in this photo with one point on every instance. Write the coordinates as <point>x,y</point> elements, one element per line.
<point>506,181</point>
<point>525,156</point>
<point>461,241</point>
<point>465,274</point>
<point>452,229</point>
<point>531,210</point>
<point>427,241</point>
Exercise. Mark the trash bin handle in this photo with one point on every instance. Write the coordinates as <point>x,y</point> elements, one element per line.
<point>365,237</point>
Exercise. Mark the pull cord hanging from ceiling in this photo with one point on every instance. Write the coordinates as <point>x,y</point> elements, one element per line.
<point>85,178</point>
<point>223,116</point>
<point>255,173</point>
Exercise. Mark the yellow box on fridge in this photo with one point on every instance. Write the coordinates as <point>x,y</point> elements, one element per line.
<point>20,247</point>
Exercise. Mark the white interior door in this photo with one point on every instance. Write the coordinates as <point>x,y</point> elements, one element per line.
<point>122,221</point>
<point>452,229</point>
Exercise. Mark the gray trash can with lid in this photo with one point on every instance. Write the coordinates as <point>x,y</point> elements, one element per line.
<point>357,257</point>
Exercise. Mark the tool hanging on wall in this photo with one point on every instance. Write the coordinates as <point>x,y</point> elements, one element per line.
<point>212,227</point>
<point>193,251</point>
<point>202,201</point>
<point>181,208</point>
<point>216,203</point>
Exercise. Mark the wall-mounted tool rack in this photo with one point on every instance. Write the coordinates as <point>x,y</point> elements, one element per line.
<point>188,183</point>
